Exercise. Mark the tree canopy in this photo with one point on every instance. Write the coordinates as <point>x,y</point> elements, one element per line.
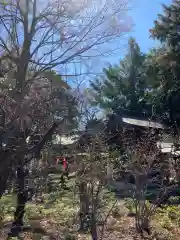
<point>148,82</point>
<point>124,85</point>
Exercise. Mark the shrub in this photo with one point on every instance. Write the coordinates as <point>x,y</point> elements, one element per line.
<point>119,211</point>
<point>169,216</point>
<point>70,237</point>
<point>174,200</point>
<point>129,204</point>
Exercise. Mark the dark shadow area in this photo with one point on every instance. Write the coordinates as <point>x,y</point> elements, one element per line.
<point>25,229</point>
<point>151,194</point>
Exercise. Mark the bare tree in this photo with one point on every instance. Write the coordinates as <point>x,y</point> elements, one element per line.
<point>91,178</point>
<point>37,36</point>
<point>151,171</point>
<point>28,126</point>
<point>91,162</point>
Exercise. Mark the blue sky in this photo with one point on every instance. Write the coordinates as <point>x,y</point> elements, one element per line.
<point>144,13</point>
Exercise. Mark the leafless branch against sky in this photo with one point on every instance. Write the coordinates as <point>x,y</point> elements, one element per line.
<point>41,35</point>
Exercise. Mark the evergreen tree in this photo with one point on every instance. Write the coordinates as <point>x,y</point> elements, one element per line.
<point>123,86</point>
<point>167,64</point>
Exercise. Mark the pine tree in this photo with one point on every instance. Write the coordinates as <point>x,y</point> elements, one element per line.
<point>123,86</point>
<point>166,29</point>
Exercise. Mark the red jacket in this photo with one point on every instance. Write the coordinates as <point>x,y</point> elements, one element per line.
<point>63,161</point>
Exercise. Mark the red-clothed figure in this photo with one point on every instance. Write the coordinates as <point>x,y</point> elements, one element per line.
<point>63,162</point>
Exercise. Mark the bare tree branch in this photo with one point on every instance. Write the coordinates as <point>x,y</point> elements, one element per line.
<point>55,33</point>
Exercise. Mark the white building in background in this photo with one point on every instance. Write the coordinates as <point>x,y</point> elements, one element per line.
<point>168,147</point>
<point>143,123</point>
<point>65,140</point>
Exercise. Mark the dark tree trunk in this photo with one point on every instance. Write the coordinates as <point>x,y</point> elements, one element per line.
<point>5,171</point>
<point>84,204</point>
<point>3,182</point>
<point>94,227</point>
<point>22,198</point>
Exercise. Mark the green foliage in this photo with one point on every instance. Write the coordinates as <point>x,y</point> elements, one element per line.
<point>123,86</point>
<point>64,206</point>
<point>167,63</point>
<point>169,216</point>
<point>165,28</point>
<point>130,205</point>
<point>119,210</point>
<point>7,207</point>
<point>70,237</point>
<point>174,200</point>
<point>141,83</point>
<point>146,83</point>
<point>108,198</point>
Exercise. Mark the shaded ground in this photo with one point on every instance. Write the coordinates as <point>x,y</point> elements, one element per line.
<point>56,219</point>
<point>122,229</point>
